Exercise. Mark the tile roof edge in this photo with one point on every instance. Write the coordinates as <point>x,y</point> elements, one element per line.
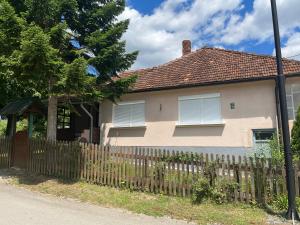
<point>230,81</point>
<point>201,49</point>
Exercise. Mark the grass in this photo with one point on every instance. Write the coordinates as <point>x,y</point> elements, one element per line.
<point>2,127</point>
<point>144,203</point>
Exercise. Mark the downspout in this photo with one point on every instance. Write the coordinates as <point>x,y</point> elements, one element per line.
<point>278,110</point>
<point>279,125</point>
<point>92,122</point>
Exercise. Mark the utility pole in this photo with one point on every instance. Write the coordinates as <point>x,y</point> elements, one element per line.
<point>280,80</point>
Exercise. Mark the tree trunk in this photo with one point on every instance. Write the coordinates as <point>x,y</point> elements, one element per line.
<point>8,126</point>
<point>11,126</point>
<point>52,118</point>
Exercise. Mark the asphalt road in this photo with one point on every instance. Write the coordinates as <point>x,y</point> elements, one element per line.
<point>22,207</point>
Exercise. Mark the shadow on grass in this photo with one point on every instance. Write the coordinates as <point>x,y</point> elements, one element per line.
<point>270,211</point>
<point>24,177</point>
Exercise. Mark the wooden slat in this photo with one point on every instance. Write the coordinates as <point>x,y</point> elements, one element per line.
<point>247,186</point>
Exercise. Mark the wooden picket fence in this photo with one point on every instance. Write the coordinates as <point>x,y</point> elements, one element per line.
<point>5,151</point>
<point>158,171</point>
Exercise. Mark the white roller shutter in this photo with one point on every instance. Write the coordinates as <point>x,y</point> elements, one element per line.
<point>129,114</point>
<point>200,109</point>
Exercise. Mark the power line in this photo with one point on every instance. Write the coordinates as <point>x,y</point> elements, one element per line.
<point>292,56</point>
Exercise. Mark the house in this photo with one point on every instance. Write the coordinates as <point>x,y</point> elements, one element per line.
<point>209,100</point>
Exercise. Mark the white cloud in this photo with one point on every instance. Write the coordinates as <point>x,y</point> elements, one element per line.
<point>158,36</point>
<point>292,47</point>
<point>257,24</point>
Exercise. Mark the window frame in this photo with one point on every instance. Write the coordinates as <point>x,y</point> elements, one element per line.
<point>291,86</point>
<point>63,125</point>
<point>200,96</point>
<point>273,130</point>
<point>130,125</point>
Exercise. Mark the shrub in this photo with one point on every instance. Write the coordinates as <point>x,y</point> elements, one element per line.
<point>227,188</point>
<point>218,197</point>
<point>201,190</point>
<point>220,192</point>
<point>296,135</point>
<point>281,202</point>
<point>276,151</point>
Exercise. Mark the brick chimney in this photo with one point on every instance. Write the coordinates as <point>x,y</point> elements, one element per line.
<point>186,47</point>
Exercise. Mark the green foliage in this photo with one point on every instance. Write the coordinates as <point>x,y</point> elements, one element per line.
<point>39,127</point>
<point>220,192</point>
<point>276,151</point>
<point>225,189</point>
<point>11,26</point>
<point>38,61</point>
<point>201,190</point>
<point>184,157</point>
<point>273,150</point>
<point>22,125</point>
<point>280,203</point>
<point>3,124</point>
<point>36,57</point>
<point>296,135</point>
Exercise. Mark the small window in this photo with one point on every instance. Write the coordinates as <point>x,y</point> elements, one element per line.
<point>263,135</point>
<point>200,109</point>
<point>63,118</point>
<point>261,140</point>
<point>129,114</point>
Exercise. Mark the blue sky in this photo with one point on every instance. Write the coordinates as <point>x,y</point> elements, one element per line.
<point>146,6</point>
<point>158,27</point>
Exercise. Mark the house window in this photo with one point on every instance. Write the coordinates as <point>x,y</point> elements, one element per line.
<point>129,114</point>
<point>63,118</point>
<point>293,99</point>
<point>262,138</point>
<point>200,109</point>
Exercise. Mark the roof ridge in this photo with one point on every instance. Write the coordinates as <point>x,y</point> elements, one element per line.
<point>210,48</point>
<point>247,53</point>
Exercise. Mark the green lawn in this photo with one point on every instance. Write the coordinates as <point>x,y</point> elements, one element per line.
<point>149,204</point>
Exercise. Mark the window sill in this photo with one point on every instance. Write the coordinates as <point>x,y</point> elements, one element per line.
<point>128,127</point>
<point>200,124</point>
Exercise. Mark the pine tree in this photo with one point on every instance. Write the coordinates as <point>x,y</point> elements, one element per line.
<point>11,27</point>
<point>296,135</point>
<point>47,64</point>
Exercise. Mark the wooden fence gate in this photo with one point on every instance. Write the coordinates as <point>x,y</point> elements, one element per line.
<point>20,150</point>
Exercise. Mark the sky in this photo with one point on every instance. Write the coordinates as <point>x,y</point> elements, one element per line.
<point>157,27</point>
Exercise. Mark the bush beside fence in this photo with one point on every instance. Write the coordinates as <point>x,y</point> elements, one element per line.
<point>158,171</point>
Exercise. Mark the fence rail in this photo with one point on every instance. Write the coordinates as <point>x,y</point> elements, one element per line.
<point>158,171</point>
<point>5,151</point>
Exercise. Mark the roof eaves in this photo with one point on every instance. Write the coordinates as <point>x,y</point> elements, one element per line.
<point>252,79</point>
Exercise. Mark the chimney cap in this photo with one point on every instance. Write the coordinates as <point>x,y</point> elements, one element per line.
<point>186,47</point>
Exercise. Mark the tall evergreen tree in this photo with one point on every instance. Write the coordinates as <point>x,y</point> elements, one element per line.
<point>58,39</point>
<point>11,27</point>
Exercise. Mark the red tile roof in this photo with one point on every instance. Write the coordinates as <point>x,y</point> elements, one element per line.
<point>209,66</point>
